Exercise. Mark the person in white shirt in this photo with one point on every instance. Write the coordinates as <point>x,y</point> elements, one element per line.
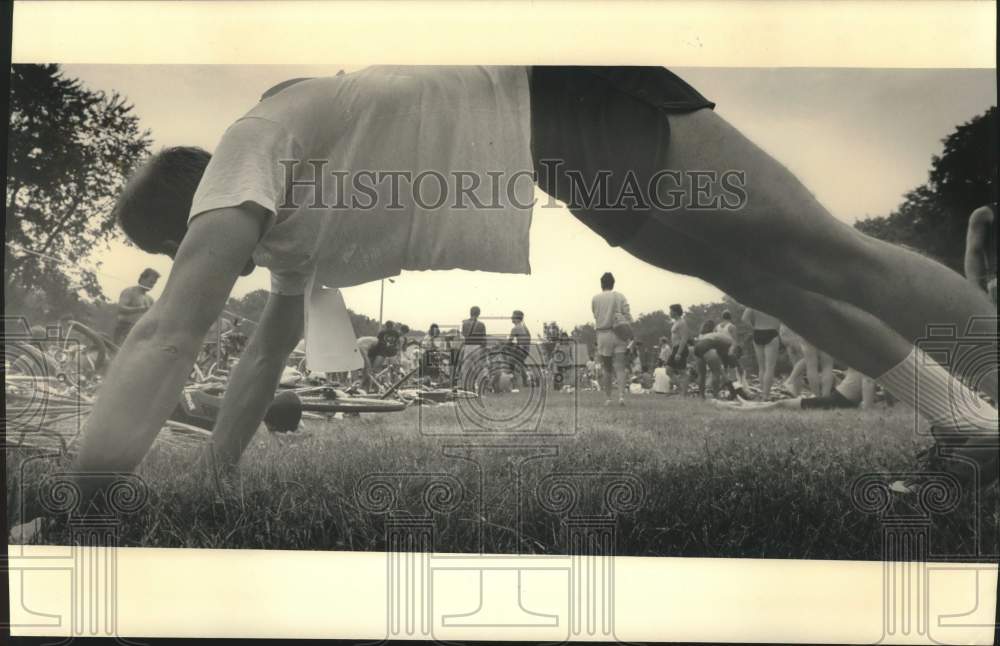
<point>611,349</point>
<point>661,380</point>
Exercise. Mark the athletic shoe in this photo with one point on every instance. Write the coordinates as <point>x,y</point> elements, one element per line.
<point>974,462</point>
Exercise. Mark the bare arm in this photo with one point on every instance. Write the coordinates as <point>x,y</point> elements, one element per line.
<point>145,381</point>
<point>255,377</point>
<point>976,246</point>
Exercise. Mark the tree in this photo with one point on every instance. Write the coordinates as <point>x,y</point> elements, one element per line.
<point>933,217</point>
<point>69,153</point>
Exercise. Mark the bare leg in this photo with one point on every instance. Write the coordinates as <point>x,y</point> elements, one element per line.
<point>770,361</point>
<point>607,372</point>
<point>864,341</point>
<point>795,378</point>
<point>826,377</point>
<point>903,289</point>
<point>758,351</point>
<point>621,372</point>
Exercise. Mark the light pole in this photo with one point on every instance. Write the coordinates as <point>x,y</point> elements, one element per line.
<point>381,298</point>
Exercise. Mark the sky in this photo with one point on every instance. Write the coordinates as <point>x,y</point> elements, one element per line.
<point>859,139</point>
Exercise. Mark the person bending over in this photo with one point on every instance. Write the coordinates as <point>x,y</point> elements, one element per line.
<point>713,350</point>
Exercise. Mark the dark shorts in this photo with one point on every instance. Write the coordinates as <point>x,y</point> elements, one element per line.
<point>763,337</point>
<point>721,347</point>
<point>834,400</point>
<point>678,361</point>
<point>612,121</point>
<point>122,328</point>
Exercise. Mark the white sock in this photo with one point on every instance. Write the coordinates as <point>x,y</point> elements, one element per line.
<point>942,399</point>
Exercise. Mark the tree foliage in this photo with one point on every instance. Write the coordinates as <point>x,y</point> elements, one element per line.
<point>69,153</point>
<point>933,217</point>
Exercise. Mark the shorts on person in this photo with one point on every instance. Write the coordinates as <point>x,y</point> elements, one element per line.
<point>679,360</point>
<point>609,343</point>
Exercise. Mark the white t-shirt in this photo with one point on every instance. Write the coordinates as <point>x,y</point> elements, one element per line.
<point>439,121</point>
<point>661,380</point>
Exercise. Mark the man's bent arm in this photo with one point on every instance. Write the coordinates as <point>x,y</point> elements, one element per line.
<point>144,383</point>
<point>255,377</point>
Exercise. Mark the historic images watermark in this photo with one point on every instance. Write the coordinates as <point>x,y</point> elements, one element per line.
<point>501,484</point>
<point>313,184</point>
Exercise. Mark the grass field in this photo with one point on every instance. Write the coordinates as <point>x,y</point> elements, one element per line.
<point>698,481</point>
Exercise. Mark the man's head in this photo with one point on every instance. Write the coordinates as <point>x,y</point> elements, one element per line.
<point>154,207</point>
<point>727,316</point>
<point>708,326</point>
<point>474,311</point>
<point>148,278</point>
<point>676,311</point>
<point>517,316</point>
<point>607,281</point>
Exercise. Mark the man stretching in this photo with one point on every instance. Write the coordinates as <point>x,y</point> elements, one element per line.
<point>273,194</point>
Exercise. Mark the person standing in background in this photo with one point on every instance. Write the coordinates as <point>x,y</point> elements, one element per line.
<point>133,302</point>
<point>519,344</point>
<point>981,250</point>
<point>473,347</point>
<point>611,348</point>
<point>680,337</point>
<point>766,345</point>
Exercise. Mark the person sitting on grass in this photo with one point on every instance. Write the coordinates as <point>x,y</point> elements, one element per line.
<point>854,391</point>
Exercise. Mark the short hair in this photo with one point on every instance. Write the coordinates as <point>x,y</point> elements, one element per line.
<point>676,309</point>
<point>148,272</point>
<point>607,280</point>
<point>404,329</point>
<point>707,326</point>
<point>156,202</point>
<point>726,315</point>
<point>518,314</point>
<point>474,310</point>
<point>434,326</point>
